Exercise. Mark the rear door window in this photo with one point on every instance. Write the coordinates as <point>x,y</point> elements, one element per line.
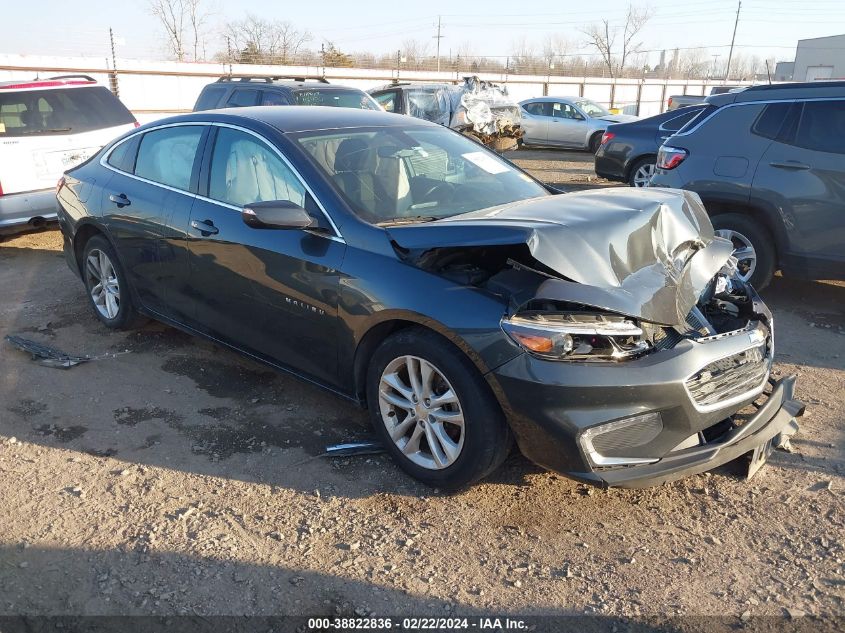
<point>538,108</point>
<point>167,155</point>
<point>209,98</point>
<point>822,127</point>
<point>60,111</point>
<point>243,98</point>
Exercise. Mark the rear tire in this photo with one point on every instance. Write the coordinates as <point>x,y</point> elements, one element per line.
<point>410,416</point>
<point>755,248</point>
<point>640,172</point>
<point>108,290</point>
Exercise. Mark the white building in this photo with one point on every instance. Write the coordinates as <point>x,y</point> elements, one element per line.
<point>820,58</point>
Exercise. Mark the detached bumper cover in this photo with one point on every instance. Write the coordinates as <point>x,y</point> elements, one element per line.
<point>779,411</point>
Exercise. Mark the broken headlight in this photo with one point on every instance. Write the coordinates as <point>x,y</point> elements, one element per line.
<point>585,336</point>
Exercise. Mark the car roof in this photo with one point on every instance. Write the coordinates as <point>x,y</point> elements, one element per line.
<point>69,81</point>
<point>293,83</point>
<point>300,118</point>
<point>784,91</point>
<point>555,98</point>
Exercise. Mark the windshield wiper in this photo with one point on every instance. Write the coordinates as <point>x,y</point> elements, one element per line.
<point>47,130</point>
<point>414,219</point>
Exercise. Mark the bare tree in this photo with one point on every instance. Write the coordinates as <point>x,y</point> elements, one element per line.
<point>171,14</point>
<point>603,38</point>
<point>184,22</point>
<point>265,41</point>
<point>415,51</point>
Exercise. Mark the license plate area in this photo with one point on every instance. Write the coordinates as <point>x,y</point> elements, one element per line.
<point>759,456</point>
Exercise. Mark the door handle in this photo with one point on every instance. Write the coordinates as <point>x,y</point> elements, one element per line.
<point>206,227</point>
<point>789,164</point>
<point>120,199</point>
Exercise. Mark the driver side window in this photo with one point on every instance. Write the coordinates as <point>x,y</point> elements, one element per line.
<point>246,170</point>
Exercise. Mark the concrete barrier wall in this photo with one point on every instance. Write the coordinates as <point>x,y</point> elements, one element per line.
<point>155,88</point>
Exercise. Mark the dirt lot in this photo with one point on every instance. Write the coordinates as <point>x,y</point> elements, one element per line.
<point>180,478</point>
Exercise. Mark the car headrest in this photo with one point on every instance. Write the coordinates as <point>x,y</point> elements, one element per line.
<point>351,155</point>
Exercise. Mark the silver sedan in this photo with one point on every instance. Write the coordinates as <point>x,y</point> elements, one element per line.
<point>566,122</point>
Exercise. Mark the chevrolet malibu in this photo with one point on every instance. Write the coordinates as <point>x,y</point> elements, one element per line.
<point>412,271</point>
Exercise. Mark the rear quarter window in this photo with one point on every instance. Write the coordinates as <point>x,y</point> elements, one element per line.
<point>209,98</point>
<point>675,124</point>
<point>698,118</point>
<point>123,156</point>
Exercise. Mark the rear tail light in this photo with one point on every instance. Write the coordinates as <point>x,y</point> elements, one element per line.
<point>137,124</point>
<point>60,184</point>
<point>606,137</point>
<point>1,188</point>
<point>669,103</point>
<point>670,157</point>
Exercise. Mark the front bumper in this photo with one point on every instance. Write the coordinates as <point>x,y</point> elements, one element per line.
<point>17,209</point>
<point>551,404</point>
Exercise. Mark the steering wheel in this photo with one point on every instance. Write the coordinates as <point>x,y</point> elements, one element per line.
<point>438,192</point>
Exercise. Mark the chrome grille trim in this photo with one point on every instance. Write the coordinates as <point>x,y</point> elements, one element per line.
<point>729,380</point>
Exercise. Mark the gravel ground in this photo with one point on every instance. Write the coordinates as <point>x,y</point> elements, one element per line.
<point>179,478</point>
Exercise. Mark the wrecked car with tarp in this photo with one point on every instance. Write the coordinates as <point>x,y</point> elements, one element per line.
<point>407,268</point>
<point>478,108</point>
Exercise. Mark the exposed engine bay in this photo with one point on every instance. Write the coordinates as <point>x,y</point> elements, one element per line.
<point>597,275</point>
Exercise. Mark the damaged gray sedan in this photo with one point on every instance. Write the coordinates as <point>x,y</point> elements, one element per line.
<point>403,266</point>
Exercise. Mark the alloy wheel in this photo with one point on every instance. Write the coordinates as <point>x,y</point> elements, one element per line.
<point>743,251</point>
<point>421,412</point>
<point>102,279</point>
<point>643,175</point>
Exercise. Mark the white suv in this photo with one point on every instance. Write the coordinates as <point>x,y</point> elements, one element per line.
<point>46,127</point>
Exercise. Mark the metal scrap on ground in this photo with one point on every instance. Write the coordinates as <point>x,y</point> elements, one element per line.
<point>50,356</point>
<point>348,449</point>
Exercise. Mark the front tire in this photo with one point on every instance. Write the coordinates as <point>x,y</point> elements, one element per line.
<point>108,290</point>
<point>753,244</point>
<point>433,411</point>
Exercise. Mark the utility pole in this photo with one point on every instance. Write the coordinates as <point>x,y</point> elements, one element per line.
<point>114,87</point>
<point>229,53</point>
<point>733,39</point>
<point>438,37</point>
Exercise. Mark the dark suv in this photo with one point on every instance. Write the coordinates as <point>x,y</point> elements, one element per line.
<point>238,92</point>
<point>769,165</point>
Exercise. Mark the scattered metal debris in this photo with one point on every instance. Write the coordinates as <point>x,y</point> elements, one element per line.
<point>50,356</point>
<point>348,449</point>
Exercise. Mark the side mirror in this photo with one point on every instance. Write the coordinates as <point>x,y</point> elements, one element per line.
<point>276,214</point>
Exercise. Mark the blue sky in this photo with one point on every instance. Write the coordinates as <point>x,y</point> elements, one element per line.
<point>768,28</point>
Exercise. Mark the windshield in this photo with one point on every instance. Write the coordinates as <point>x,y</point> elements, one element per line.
<point>396,174</point>
<point>59,111</point>
<point>592,109</point>
<point>335,97</point>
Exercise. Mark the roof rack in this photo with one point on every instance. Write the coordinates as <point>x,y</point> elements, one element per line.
<point>799,85</point>
<point>85,77</point>
<point>270,79</point>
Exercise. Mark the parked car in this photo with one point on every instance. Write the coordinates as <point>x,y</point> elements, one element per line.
<point>476,108</point>
<point>681,101</point>
<point>239,92</point>
<point>407,268</point>
<point>628,151</point>
<point>769,165</point>
<point>47,126</point>
<point>566,122</point>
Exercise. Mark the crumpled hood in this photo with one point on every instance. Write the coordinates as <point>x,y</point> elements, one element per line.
<point>646,253</point>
